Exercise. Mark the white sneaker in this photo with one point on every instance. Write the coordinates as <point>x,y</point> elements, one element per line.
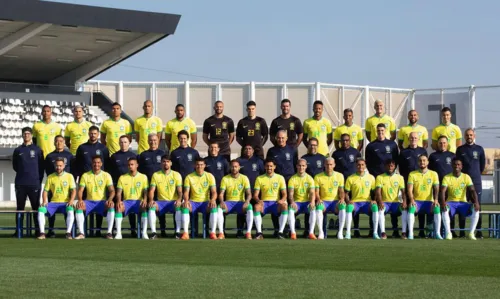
<point>340,237</point>
<point>118,237</point>
<point>145,236</point>
<point>321,236</point>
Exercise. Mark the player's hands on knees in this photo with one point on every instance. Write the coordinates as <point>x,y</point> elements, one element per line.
<point>119,205</point>
<point>282,202</point>
<point>151,204</point>
<point>294,206</point>
<point>212,204</point>
<point>71,203</point>
<point>413,204</point>
<point>404,205</point>
<point>44,204</point>
<point>80,205</point>
<point>312,205</point>
<point>222,205</point>
<point>178,204</point>
<point>245,206</point>
<point>143,204</point>
<point>380,205</point>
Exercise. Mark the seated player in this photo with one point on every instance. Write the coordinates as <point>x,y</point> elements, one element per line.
<point>200,196</point>
<point>62,187</point>
<point>359,188</point>
<point>270,197</point>
<point>329,198</point>
<point>388,186</point>
<point>423,189</point>
<point>95,183</point>
<point>235,196</point>
<point>132,197</point>
<point>453,198</point>
<point>301,197</point>
<point>168,185</point>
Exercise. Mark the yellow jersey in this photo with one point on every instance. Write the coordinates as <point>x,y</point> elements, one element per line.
<point>166,184</point>
<point>301,186</point>
<point>145,126</point>
<point>319,129</point>
<point>45,134</point>
<point>235,188</point>
<point>60,186</point>
<point>390,185</point>
<point>270,187</point>
<point>114,129</point>
<point>353,130</point>
<point>133,187</point>
<point>199,186</point>
<point>451,131</point>
<point>328,185</point>
<point>457,187</point>
<point>404,134</point>
<point>360,187</point>
<point>96,184</point>
<point>174,126</point>
<point>423,184</point>
<point>374,120</point>
<point>78,133</point>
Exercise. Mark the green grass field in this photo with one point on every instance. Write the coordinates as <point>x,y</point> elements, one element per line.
<point>232,268</point>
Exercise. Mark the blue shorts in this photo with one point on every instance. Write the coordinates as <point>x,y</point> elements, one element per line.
<point>330,206</point>
<point>95,206</point>
<point>424,206</point>
<point>165,206</point>
<point>234,207</point>
<point>392,208</point>
<point>270,207</point>
<point>56,207</point>
<point>462,208</point>
<point>362,207</point>
<point>303,207</point>
<point>199,207</point>
<point>131,206</point>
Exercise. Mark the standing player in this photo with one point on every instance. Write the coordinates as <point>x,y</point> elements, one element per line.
<point>320,128</point>
<point>453,198</point>
<point>291,124</point>
<point>440,160</point>
<point>315,161</point>
<point>146,125</point>
<point>132,196</point>
<point>284,155</point>
<point>423,189</point>
<point>446,128</point>
<point>408,158</point>
<point>180,123</point>
<point>150,160</point>
<point>380,150</point>
<point>388,187</point>
<point>250,165</point>
<point>183,157</point>
<point>45,130</point>
<point>235,196</point>
<point>89,149</point>
<point>76,132</point>
<point>61,186</point>
<point>95,183</point>
<point>252,130</point>
<point>359,189</point>
<point>474,162</point>
<point>220,129</point>
<point>112,129</point>
<point>167,183</point>
<point>413,126</point>
<point>27,162</point>
<point>200,197</point>
<point>301,198</point>
<point>346,156</point>
<point>330,197</point>
<point>270,197</point>
<point>351,129</point>
<point>380,118</point>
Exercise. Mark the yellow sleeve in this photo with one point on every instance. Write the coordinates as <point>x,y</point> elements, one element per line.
<point>401,183</point>
<point>341,180</point>
<point>34,131</point>
<point>435,179</point>
<point>336,134</point>
<point>435,134</point>
<point>83,180</point>
<point>311,182</point>
<point>458,133</point>
<point>223,184</point>
<point>187,182</point>
<point>128,128</point>
<point>306,127</point>
<point>46,188</point>
<point>168,128</point>
<point>368,125</point>
<point>109,180</point>
<point>153,180</point>
<point>316,181</point>
<point>72,184</point>
<point>410,179</point>
<point>401,134</point>
<point>211,181</point>
<point>247,183</point>
<point>378,181</point>
<point>178,179</point>
<point>372,183</point>
<point>257,184</point>
<point>392,125</point>
<point>146,182</point>
<point>360,134</point>
<point>58,129</point>
<point>468,181</point>
<point>136,125</point>
<point>348,185</point>
<point>67,131</point>
<point>120,184</point>
<point>445,182</point>
<point>103,128</point>
<point>290,183</point>
<point>425,134</point>
<point>282,184</point>
<point>159,123</point>
<point>192,126</point>
<point>328,127</point>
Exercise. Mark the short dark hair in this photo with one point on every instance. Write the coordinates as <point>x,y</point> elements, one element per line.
<point>389,161</point>
<point>96,157</point>
<point>124,136</point>
<point>314,139</point>
<point>179,105</point>
<point>442,136</point>
<point>269,160</point>
<point>381,126</point>
<point>445,109</point>
<point>235,161</point>
<point>345,135</point>
<point>317,103</point>
<point>59,159</point>
<point>94,128</point>
<point>218,101</point>
<point>360,160</point>
<point>116,104</point>
<point>286,101</point>
<point>46,106</point>
<point>27,129</point>
<point>182,132</point>
<point>251,103</point>
<point>348,110</point>
<point>456,159</point>
<point>165,157</point>
<point>58,136</point>
<point>133,158</point>
<point>199,159</point>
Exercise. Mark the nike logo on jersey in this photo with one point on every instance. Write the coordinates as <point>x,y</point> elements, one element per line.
<point>244,127</point>
<point>408,158</point>
<point>178,157</point>
<point>85,153</point>
<point>276,156</point>
<point>212,125</point>
<point>376,150</point>
<point>20,154</point>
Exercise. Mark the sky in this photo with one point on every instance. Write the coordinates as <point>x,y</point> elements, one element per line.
<point>406,44</point>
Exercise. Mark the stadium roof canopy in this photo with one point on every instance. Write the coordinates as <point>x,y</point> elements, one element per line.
<point>60,44</point>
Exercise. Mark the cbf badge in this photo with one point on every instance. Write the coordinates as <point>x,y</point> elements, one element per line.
<point>224,125</point>
<point>335,183</point>
<point>138,184</point>
<point>240,186</point>
<point>474,155</point>
<point>388,149</point>
<point>219,165</point>
<point>190,157</point>
<point>98,152</point>
<point>275,185</point>
<point>84,131</point>
<point>287,155</point>
<point>171,182</point>
<point>186,128</point>
<point>367,184</point>
<point>429,181</point>
<point>257,126</point>
<point>65,184</point>
<point>32,153</point>
<point>254,167</point>
<point>153,125</point>
<point>351,158</point>
<point>448,160</point>
<point>396,184</point>
<point>318,164</point>
<point>52,131</point>
<point>292,126</point>
<point>205,184</point>
<point>158,159</point>
<point>122,128</point>
<point>323,128</point>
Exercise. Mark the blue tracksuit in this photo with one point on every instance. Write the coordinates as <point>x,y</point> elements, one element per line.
<point>252,168</point>
<point>345,160</point>
<point>379,151</point>
<point>218,166</point>
<point>183,160</point>
<point>27,162</point>
<point>408,160</point>
<point>473,161</point>
<point>119,164</point>
<point>51,159</point>
<point>440,162</point>
<point>84,154</point>
<point>150,162</point>
<point>315,163</point>
<point>286,159</point>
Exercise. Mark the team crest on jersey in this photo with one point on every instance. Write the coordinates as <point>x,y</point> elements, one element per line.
<point>292,126</point>
<point>65,161</point>
<point>318,164</point>
<point>186,128</point>
<point>354,134</point>
<point>205,184</point>
<point>32,153</point>
<point>306,185</point>
<point>323,128</point>
<point>367,184</point>
<point>122,128</point>
<point>257,126</point>
<point>84,131</point>
<point>448,160</point>
<point>462,185</point>
<point>158,159</point>
<point>240,186</point>
<point>99,183</point>
<point>275,185</point>
<point>287,155</point>
<point>138,184</point>
<point>386,126</point>
<point>429,181</point>
<point>336,184</point>
<point>190,157</point>
<point>171,182</point>
<point>388,149</point>
<point>65,184</point>
<point>224,125</point>
<point>474,155</point>
<point>153,125</point>
<point>419,134</point>
<point>98,152</point>
<point>254,167</point>
<point>219,165</point>
<point>52,131</point>
<point>396,184</point>
<point>351,158</point>
<point>452,133</point>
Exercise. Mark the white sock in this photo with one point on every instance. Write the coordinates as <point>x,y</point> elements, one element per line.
<point>144,223</point>
<point>381,220</point>
<point>404,220</point>
<point>110,219</point>
<point>348,222</point>
<point>80,219</point>
<point>291,220</point>
<point>411,223</point>
<point>152,220</point>
<point>282,221</point>
<point>249,221</point>
<point>220,220</point>
<point>473,221</point>
<point>375,222</point>
<point>446,222</point>
<point>213,221</point>
<point>257,217</point>
<point>185,222</point>
<point>437,224</point>
<point>312,221</point>
<point>118,221</point>
<point>70,219</point>
<point>178,221</point>
<point>319,221</point>
<point>342,216</point>
<point>41,222</point>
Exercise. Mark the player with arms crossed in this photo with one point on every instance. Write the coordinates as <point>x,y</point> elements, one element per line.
<point>301,197</point>
<point>453,198</point>
<point>95,183</point>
